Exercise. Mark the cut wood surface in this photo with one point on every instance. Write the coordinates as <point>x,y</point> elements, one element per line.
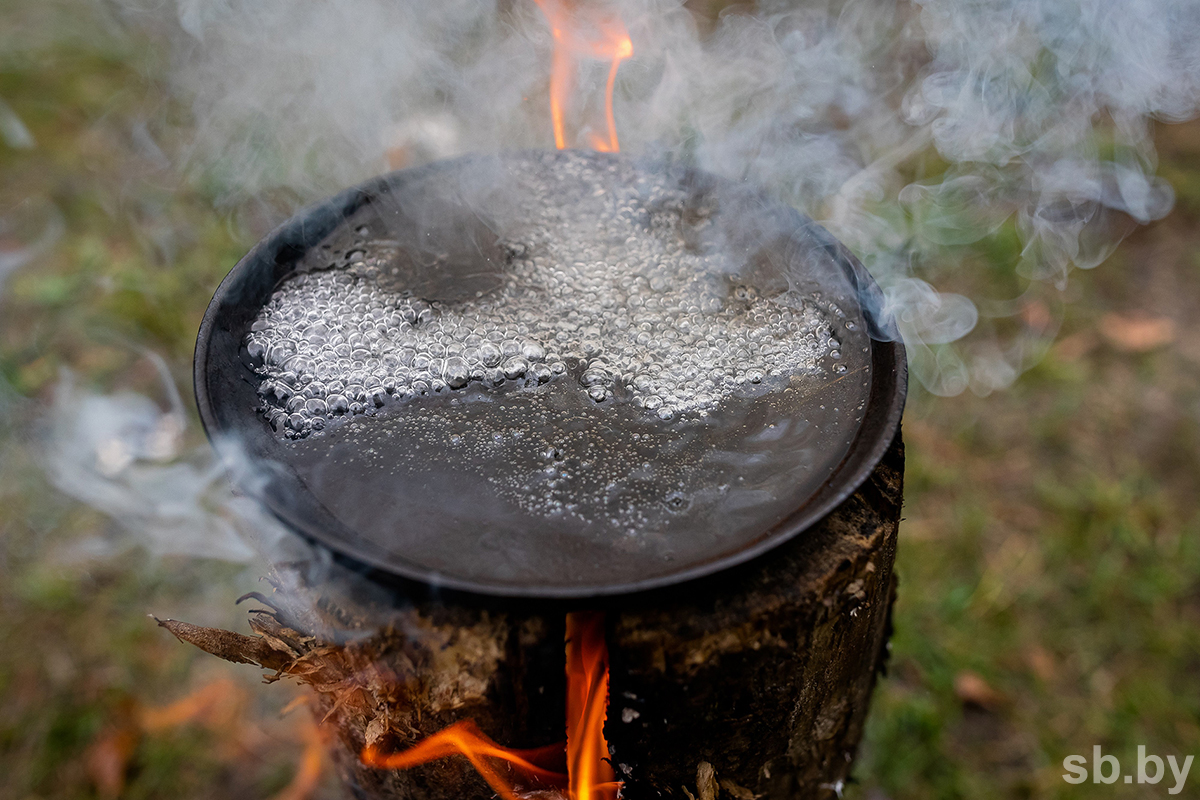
<point>750,683</point>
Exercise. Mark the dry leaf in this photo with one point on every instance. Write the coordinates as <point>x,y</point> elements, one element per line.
<point>1137,334</point>
<point>972,689</point>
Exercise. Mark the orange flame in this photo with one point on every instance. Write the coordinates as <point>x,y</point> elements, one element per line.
<point>591,775</point>
<point>465,738</point>
<point>595,36</point>
<point>218,700</point>
<point>588,777</point>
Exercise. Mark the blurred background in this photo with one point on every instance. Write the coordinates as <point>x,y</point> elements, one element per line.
<point>1049,563</point>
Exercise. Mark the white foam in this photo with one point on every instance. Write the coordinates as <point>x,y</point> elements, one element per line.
<point>600,290</point>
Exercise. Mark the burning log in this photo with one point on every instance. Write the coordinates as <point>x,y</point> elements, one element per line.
<point>519,383</point>
<point>702,465</point>
<point>567,399</point>
<point>753,682</point>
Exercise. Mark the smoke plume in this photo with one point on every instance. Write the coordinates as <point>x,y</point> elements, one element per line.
<point>921,134</point>
<point>938,139</point>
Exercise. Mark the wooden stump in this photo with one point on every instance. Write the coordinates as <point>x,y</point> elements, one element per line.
<point>750,683</point>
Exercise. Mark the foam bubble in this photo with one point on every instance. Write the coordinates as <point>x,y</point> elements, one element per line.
<point>600,288</point>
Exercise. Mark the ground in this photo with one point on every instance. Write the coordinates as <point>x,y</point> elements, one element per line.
<point>1049,561</point>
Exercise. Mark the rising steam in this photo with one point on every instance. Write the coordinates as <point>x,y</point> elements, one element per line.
<point>936,139</point>
<point>124,454</point>
<point>915,132</point>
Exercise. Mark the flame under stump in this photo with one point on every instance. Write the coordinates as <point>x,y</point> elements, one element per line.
<point>753,682</point>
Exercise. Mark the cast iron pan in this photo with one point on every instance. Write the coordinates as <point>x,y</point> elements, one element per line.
<point>371,488</point>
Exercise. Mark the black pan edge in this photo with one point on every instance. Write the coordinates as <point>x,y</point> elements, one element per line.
<point>881,420</point>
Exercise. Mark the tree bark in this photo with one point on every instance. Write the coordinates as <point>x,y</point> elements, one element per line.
<point>764,677</point>
<point>750,683</point>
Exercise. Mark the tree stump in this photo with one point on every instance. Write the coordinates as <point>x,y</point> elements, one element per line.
<point>753,682</point>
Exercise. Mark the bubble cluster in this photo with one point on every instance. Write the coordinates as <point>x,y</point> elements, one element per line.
<point>600,288</point>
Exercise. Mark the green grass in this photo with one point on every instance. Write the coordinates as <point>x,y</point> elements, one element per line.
<point>134,270</point>
<point>1052,546</point>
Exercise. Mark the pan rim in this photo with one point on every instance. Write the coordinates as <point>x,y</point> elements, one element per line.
<point>880,424</point>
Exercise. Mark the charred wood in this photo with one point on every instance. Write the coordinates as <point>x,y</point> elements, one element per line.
<point>752,683</point>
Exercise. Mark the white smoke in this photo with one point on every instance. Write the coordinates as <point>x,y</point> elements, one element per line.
<point>125,455</point>
<point>916,132</point>
<point>912,131</point>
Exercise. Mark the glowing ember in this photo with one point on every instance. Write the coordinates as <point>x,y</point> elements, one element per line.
<point>577,35</point>
<point>588,777</point>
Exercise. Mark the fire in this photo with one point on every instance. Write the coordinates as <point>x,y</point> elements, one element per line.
<point>591,776</point>
<point>588,775</point>
<point>464,738</point>
<point>580,35</point>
